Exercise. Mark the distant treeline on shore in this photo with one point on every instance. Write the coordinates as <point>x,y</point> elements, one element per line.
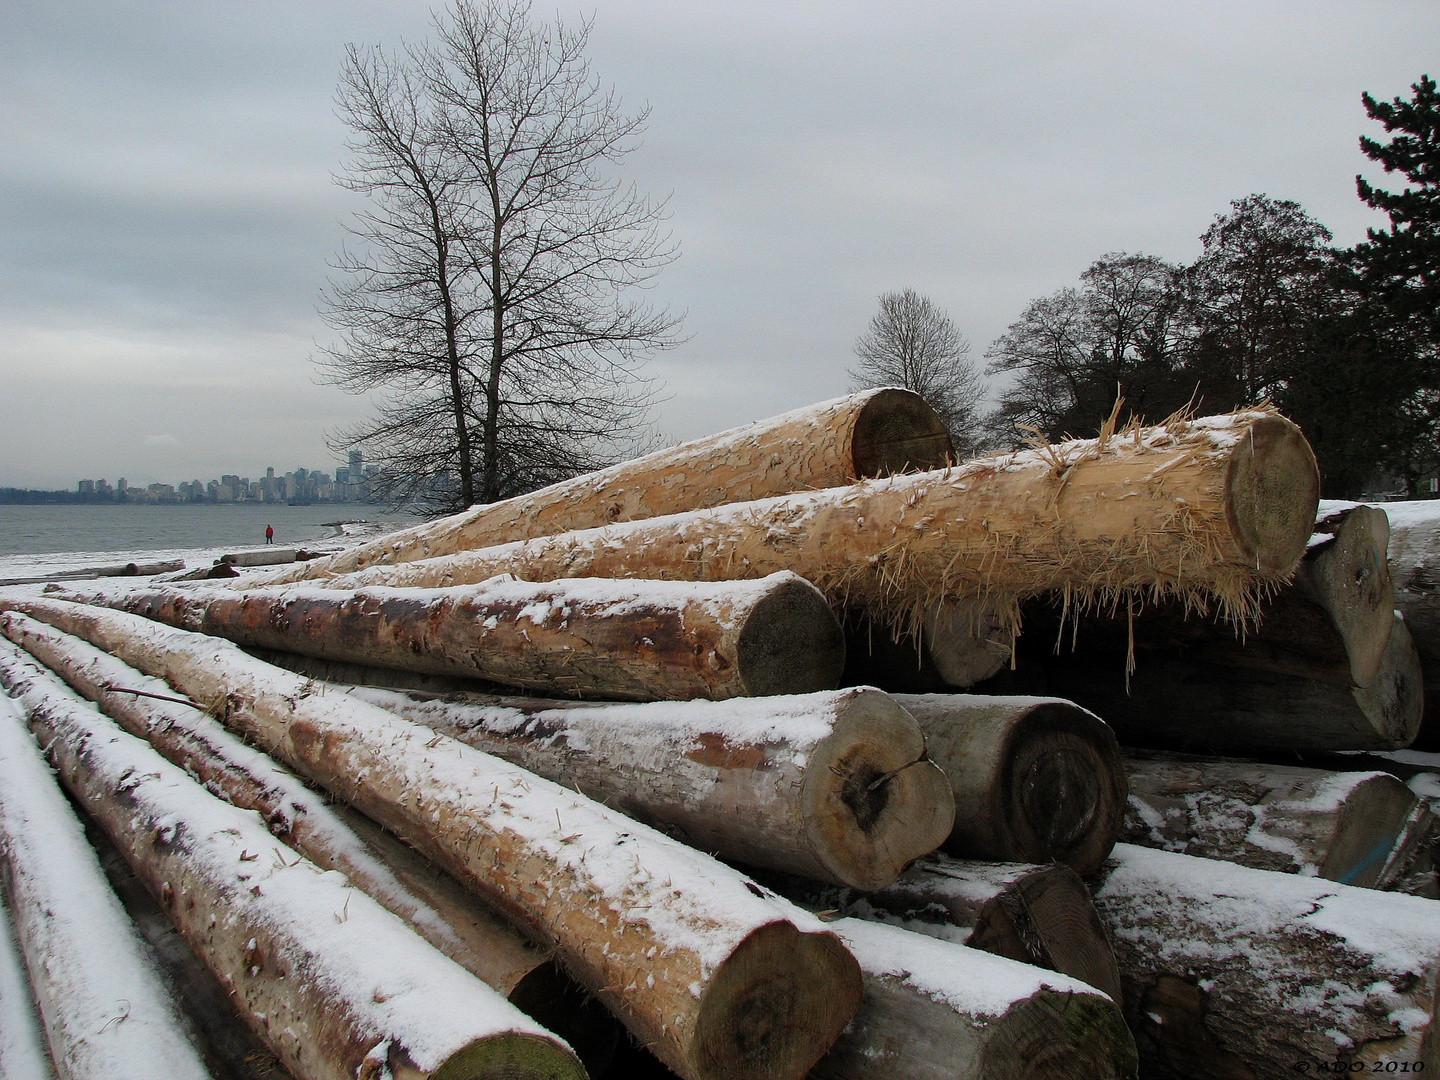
<point>36,497</point>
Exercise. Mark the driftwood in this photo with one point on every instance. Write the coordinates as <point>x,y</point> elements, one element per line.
<point>335,985</point>
<point>1035,779</point>
<point>934,1008</point>
<point>1414,561</point>
<point>23,1053</point>
<point>106,1013</point>
<point>634,640</point>
<point>1359,828</point>
<point>400,880</point>
<point>267,556</point>
<point>834,786</point>
<point>718,977</point>
<point>127,570</point>
<point>1039,915</point>
<point>872,433</point>
<point>1209,509</point>
<point>1241,973</point>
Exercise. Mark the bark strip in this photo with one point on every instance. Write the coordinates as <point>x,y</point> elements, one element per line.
<point>872,433</point>
<point>633,640</point>
<point>719,977</point>
<point>834,786</point>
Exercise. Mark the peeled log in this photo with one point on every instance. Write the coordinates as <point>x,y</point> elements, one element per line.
<point>834,786</point>
<point>107,1015</point>
<point>634,640</point>
<point>744,985</point>
<point>23,1053</point>
<point>1039,915</point>
<point>380,866</point>
<point>872,433</point>
<point>336,986</point>
<point>1211,509</point>
<point>1035,779</point>
<point>1240,973</point>
<point>937,1009</point>
<point>1358,828</point>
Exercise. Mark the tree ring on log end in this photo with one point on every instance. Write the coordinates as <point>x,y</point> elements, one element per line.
<point>775,1005</point>
<point>511,1056</point>
<point>1078,1037</point>
<point>871,800</point>
<point>1064,790</point>
<point>1272,489</point>
<point>896,431</point>
<point>791,643</point>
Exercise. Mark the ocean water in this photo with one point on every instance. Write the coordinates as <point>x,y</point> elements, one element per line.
<point>129,528</point>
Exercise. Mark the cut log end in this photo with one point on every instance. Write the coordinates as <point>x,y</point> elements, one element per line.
<point>792,643</point>
<point>897,432</point>
<point>513,1057</point>
<point>1272,489</point>
<point>1394,703</point>
<point>1076,1036</point>
<point>1366,831</point>
<point>560,1004</point>
<point>1349,578</point>
<point>1067,788</point>
<point>872,801</point>
<point>762,1018</point>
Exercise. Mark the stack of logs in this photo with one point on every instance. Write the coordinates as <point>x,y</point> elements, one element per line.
<point>776,802</point>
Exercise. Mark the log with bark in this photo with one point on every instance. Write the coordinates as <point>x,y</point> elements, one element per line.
<point>934,1008</point>
<point>1210,509</point>
<point>719,977</point>
<point>1323,669</point>
<point>1248,974</point>
<point>397,878</point>
<point>1038,915</point>
<point>23,1053</point>
<point>1414,561</point>
<point>1359,828</point>
<point>336,986</point>
<point>868,434</point>
<point>834,786</point>
<point>1035,779</point>
<point>106,1013</point>
<point>632,640</point>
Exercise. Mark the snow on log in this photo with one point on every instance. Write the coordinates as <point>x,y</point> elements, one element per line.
<point>1035,779</point>
<point>834,786</point>
<point>1209,509</point>
<point>23,1054</point>
<point>634,640</point>
<point>933,1008</point>
<point>1235,972</point>
<point>719,977</point>
<point>872,433</point>
<point>335,985</point>
<point>960,643</point>
<point>107,1015</point>
<point>1414,561</point>
<point>1358,828</point>
<point>378,865</point>
<point>1039,915</point>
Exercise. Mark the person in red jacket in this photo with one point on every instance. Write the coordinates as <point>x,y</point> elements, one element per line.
<point>269,534</point>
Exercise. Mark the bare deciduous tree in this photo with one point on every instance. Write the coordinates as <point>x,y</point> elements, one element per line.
<point>490,292</point>
<point>913,343</point>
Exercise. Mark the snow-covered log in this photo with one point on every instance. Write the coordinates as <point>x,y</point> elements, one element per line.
<point>633,640</point>
<point>1210,509</point>
<point>717,976</point>
<point>872,433</point>
<point>1038,915</point>
<point>1359,828</point>
<point>106,1012</point>
<point>1414,560</point>
<point>400,880</point>
<point>335,985</point>
<point>1173,701</point>
<point>1236,972</point>
<point>23,1053</point>
<point>937,1009</point>
<point>834,786</point>
<point>1035,779</point>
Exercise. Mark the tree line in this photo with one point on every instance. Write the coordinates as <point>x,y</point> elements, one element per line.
<point>1344,341</point>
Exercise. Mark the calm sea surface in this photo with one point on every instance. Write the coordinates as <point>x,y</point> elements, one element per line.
<point>37,530</point>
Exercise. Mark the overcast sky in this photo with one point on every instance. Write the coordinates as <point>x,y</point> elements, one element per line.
<point>167,208</point>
